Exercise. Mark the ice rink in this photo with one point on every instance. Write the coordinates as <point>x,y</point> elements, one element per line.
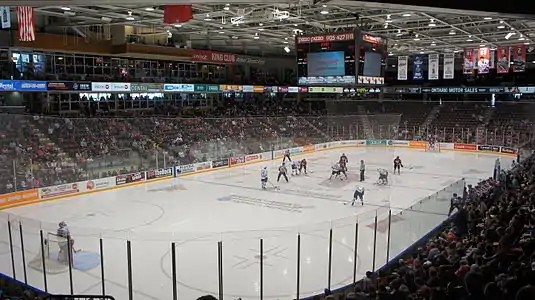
<point>228,206</point>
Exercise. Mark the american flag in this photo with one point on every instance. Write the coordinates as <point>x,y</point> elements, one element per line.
<point>26,24</point>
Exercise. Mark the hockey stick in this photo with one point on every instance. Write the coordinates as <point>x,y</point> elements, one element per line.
<point>274,186</point>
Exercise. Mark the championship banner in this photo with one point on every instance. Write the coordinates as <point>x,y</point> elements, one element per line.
<point>403,62</point>
<point>433,67</point>
<point>519,59</point>
<point>483,60</point>
<point>418,67</point>
<point>449,66</point>
<point>502,63</point>
<point>468,63</point>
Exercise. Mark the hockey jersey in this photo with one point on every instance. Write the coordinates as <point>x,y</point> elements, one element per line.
<point>264,174</point>
<point>282,169</point>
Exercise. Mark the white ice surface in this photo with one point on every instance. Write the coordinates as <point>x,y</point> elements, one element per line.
<point>198,211</point>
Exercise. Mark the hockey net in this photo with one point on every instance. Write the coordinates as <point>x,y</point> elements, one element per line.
<point>52,264</point>
<point>432,147</point>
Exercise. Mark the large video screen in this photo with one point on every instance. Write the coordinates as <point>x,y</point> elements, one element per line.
<point>327,59</point>
<point>372,64</point>
<point>326,64</point>
<point>372,55</point>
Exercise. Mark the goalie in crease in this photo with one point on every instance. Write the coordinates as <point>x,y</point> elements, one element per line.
<point>66,244</point>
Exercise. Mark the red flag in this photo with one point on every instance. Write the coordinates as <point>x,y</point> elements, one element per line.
<point>177,14</point>
<point>26,23</point>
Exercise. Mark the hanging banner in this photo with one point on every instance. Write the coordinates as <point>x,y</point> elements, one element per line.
<point>449,66</point>
<point>403,62</point>
<point>519,59</point>
<point>418,68</point>
<point>433,67</point>
<point>468,64</point>
<point>502,63</point>
<point>5,17</point>
<point>483,60</point>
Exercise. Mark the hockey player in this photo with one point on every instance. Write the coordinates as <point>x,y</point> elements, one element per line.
<point>303,166</point>
<point>66,244</point>
<point>397,165</point>
<point>282,172</point>
<point>286,155</point>
<point>383,177</point>
<point>336,171</point>
<point>295,167</point>
<point>343,161</point>
<point>358,195</point>
<point>264,177</point>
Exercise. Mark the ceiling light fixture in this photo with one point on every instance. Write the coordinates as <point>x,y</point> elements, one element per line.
<point>433,44</point>
<point>286,49</point>
<point>432,23</point>
<point>469,40</point>
<point>207,17</point>
<point>501,27</point>
<point>324,12</point>
<point>149,9</point>
<point>407,15</point>
<point>509,35</point>
<point>487,18</point>
<point>260,29</point>
<point>390,54</point>
<point>521,38</point>
<point>221,32</point>
<point>256,37</point>
<point>452,32</point>
<point>227,6</point>
<point>130,17</point>
<point>388,19</point>
<point>65,8</point>
<point>178,25</point>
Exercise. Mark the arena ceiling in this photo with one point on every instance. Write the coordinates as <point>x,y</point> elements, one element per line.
<point>268,28</point>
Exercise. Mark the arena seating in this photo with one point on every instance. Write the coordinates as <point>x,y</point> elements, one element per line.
<point>487,250</point>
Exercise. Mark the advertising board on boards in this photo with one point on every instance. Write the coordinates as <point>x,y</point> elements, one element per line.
<point>236,160</point>
<point>21,196</point>
<point>376,142</point>
<point>220,163</point>
<point>59,190</point>
<point>508,150</point>
<point>129,178</point>
<point>203,166</point>
<point>488,148</point>
<point>469,147</point>
<point>399,143</point>
<point>97,184</point>
<point>184,169</point>
<point>160,173</point>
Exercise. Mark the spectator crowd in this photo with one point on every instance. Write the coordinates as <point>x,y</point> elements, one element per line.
<point>486,251</point>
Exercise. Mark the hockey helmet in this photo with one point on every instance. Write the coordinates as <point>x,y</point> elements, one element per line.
<point>62,224</point>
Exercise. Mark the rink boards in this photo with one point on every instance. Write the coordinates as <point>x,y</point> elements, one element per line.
<point>97,185</point>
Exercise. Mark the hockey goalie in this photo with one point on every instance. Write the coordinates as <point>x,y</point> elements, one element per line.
<point>432,144</point>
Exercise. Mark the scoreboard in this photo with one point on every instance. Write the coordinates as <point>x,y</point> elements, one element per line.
<point>340,58</point>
